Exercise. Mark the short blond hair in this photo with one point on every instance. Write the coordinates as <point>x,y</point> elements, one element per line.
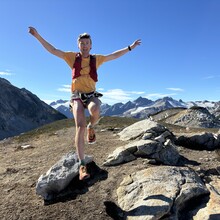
<point>84,36</point>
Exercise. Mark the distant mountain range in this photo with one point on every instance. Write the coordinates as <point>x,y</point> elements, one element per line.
<point>21,111</point>
<point>142,107</point>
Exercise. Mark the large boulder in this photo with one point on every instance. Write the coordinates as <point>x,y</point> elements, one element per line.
<point>147,139</point>
<point>163,153</point>
<point>202,141</point>
<point>157,192</point>
<point>59,175</point>
<point>139,129</point>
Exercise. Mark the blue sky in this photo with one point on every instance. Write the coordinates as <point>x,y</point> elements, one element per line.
<point>179,55</point>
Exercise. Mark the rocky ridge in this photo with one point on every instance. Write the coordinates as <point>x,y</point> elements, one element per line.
<point>193,117</point>
<point>21,111</point>
<point>158,192</point>
<point>187,189</point>
<point>142,108</point>
<point>163,192</point>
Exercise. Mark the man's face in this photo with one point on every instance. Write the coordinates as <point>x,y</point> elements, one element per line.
<point>84,45</point>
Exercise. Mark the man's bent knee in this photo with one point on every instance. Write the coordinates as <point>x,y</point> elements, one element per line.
<point>94,108</point>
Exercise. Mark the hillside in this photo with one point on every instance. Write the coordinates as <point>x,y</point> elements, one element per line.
<point>21,111</point>
<point>20,168</point>
<point>194,117</point>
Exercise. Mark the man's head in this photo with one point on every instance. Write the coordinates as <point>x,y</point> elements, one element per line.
<point>84,42</point>
<point>84,36</point>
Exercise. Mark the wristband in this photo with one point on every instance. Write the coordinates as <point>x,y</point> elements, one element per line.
<point>129,48</point>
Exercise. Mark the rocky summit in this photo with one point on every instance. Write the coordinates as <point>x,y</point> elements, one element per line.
<point>194,117</point>
<point>139,171</point>
<point>21,111</point>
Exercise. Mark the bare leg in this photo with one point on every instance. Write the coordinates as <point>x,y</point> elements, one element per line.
<point>80,121</point>
<point>94,111</point>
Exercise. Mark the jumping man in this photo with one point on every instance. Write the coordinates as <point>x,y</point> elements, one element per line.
<point>84,77</point>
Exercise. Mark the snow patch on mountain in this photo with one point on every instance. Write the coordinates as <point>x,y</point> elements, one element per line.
<point>143,107</point>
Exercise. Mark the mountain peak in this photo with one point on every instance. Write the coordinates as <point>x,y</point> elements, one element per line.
<point>4,81</point>
<point>26,112</point>
<point>142,101</point>
<point>167,98</point>
<point>143,107</point>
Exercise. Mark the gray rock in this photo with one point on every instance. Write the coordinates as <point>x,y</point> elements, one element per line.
<point>158,191</point>
<point>121,155</point>
<point>166,154</point>
<point>147,136</point>
<point>59,175</point>
<point>138,129</point>
<point>194,117</point>
<point>147,147</point>
<point>212,208</point>
<point>207,141</point>
<point>164,136</point>
<point>149,141</point>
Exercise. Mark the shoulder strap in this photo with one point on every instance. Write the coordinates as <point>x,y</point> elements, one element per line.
<point>93,71</point>
<point>77,66</point>
<point>93,61</point>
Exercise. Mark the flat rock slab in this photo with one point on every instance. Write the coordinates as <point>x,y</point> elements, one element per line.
<point>166,154</point>
<point>158,191</point>
<point>138,129</point>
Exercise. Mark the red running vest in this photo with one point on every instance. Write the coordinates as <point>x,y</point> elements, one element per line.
<point>77,67</point>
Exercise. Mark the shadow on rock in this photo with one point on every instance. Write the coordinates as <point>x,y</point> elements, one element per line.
<point>116,213</point>
<point>193,206</point>
<point>185,161</point>
<point>159,197</point>
<point>214,217</point>
<point>77,187</point>
<point>145,211</point>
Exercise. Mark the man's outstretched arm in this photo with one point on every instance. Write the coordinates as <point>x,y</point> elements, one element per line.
<point>50,48</point>
<point>121,52</point>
